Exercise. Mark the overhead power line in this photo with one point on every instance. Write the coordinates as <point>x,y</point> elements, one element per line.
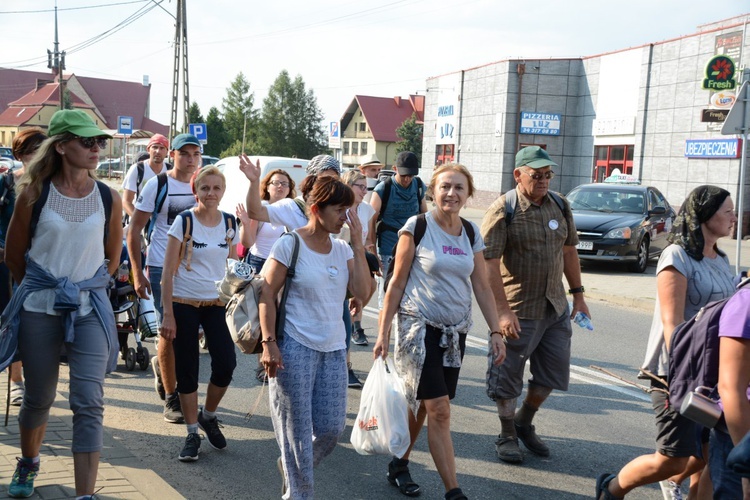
<point>72,8</point>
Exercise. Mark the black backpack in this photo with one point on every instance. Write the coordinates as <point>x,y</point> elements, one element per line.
<point>382,226</point>
<point>140,168</point>
<point>694,351</point>
<point>511,202</point>
<point>8,181</point>
<point>419,229</point>
<point>36,210</point>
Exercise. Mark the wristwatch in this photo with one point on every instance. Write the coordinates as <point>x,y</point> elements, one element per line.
<point>579,289</point>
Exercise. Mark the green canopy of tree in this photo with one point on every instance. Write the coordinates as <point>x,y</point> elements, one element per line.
<point>237,106</point>
<point>194,114</point>
<point>410,132</point>
<point>217,135</point>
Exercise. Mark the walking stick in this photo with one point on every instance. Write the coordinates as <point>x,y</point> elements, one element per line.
<point>645,389</point>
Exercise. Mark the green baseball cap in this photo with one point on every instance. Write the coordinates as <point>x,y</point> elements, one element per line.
<point>183,140</point>
<point>76,122</point>
<point>534,157</point>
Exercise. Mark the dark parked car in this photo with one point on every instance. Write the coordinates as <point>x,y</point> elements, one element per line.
<point>621,223</point>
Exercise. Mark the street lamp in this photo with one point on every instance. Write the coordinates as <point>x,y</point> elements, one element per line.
<point>244,130</point>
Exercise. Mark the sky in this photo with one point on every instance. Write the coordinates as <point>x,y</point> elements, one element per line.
<point>340,48</point>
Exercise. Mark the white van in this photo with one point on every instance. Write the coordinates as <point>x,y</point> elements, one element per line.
<point>237,183</point>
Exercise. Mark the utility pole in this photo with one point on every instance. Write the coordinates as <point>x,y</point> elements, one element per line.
<point>180,48</point>
<point>56,62</point>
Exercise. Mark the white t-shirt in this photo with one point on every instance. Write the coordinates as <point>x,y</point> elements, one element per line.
<point>130,182</point>
<point>318,288</point>
<point>439,281</point>
<point>207,264</point>
<point>266,237</point>
<point>365,212</point>
<point>179,198</point>
<point>371,183</point>
<point>286,213</point>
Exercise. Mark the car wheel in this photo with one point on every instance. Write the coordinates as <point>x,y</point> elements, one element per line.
<point>641,261</point>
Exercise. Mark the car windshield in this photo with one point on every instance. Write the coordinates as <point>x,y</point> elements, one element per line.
<point>606,200</point>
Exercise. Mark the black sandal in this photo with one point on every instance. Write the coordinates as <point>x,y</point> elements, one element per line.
<point>398,475</point>
<point>455,494</point>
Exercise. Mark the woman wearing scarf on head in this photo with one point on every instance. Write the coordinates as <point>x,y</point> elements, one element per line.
<point>691,272</point>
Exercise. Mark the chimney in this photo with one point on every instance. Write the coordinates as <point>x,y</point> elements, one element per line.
<point>145,81</point>
<point>398,101</point>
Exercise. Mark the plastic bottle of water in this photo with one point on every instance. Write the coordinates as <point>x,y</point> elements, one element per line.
<point>582,320</point>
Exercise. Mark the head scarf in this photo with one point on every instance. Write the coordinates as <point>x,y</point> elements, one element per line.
<point>701,204</point>
<point>323,162</point>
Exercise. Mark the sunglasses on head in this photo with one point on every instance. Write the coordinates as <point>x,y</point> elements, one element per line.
<point>88,142</point>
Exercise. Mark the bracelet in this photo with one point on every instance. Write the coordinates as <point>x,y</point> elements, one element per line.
<point>499,333</point>
<point>269,339</point>
<point>579,289</point>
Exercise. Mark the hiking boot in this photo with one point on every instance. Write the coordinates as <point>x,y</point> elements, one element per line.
<point>22,484</point>
<point>173,410</point>
<point>354,382</point>
<point>157,378</point>
<point>211,427</point>
<point>530,440</point>
<point>16,394</point>
<point>191,449</point>
<point>359,337</point>
<point>507,450</point>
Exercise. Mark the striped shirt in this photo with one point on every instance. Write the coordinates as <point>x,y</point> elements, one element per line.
<point>531,249</point>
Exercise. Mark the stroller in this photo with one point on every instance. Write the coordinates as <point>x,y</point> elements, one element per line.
<point>132,316</point>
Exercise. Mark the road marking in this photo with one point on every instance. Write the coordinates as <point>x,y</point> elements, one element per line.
<point>579,373</point>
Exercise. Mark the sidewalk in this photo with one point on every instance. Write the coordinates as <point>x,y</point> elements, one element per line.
<point>121,474</point>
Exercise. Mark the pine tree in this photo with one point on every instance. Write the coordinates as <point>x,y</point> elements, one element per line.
<point>194,114</point>
<point>238,102</point>
<point>217,136</point>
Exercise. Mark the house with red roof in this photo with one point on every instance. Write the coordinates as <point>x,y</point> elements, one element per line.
<point>29,98</point>
<point>369,127</point>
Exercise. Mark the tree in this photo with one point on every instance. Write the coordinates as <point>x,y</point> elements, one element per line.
<point>238,102</point>
<point>194,114</point>
<point>410,132</point>
<point>291,121</point>
<point>217,135</point>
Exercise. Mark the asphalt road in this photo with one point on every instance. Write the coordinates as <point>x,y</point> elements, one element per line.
<point>597,426</point>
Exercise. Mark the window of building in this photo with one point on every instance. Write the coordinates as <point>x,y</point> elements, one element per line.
<point>355,148</point>
<point>609,158</point>
<point>346,147</point>
<point>363,148</point>
<point>444,153</point>
<point>362,126</point>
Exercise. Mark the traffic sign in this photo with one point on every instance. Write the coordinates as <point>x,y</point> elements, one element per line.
<point>125,125</point>
<point>737,121</point>
<point>200,131</point>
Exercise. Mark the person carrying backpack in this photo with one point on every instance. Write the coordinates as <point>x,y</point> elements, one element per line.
<point>395,200</point>
<point>200,241</point>
<point>161,200</point>
<point>691,272</point>
<point>63,244</point>
<point>140,172</point>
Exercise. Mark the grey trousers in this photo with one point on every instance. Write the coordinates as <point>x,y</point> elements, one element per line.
<point>40,339</point>
<point>308,410</point>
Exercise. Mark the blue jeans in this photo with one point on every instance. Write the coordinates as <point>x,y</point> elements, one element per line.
<point>727,484</point>
<point>154,277</point>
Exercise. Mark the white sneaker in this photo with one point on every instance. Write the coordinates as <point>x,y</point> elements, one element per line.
<point>670,490</point>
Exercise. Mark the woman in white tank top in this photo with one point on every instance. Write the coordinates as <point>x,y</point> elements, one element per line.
<point>61,300</point>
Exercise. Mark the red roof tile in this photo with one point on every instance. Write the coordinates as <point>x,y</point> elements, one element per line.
<point>385,114</point>
<point>15,117</point>
<point>48,94</point>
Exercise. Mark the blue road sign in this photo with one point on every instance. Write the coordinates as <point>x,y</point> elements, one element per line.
<point>200,131</point>
<point>125,125</point>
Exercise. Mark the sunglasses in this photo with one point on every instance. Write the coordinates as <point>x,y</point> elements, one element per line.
<point>538,176</point>
<point>88,142</point>
<point>279,183</point>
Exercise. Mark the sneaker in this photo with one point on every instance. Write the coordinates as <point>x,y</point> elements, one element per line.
<point>507,449</point>
<point>22,484</point>
<point>191,449</point>
<point>670,490</point>
<point>354,382</point>
<point>173,410</point>
<point>530,440</point>
<point>16,394</point>
<point>157,378</point>
<point>211,427</point>
<point>359,337</point>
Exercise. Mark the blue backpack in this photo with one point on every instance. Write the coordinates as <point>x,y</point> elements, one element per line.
<point>694,351</point>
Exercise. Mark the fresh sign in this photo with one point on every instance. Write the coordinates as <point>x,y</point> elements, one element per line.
<point>719,74</point>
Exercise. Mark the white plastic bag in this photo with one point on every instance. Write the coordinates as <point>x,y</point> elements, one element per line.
<point>382,425</point>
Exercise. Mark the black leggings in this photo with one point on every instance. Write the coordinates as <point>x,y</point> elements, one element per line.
<point>186,349</point>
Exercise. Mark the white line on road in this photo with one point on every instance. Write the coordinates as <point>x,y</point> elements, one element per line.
<point>579,373</point>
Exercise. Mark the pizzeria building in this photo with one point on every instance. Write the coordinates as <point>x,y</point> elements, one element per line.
<point>654,112</point>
